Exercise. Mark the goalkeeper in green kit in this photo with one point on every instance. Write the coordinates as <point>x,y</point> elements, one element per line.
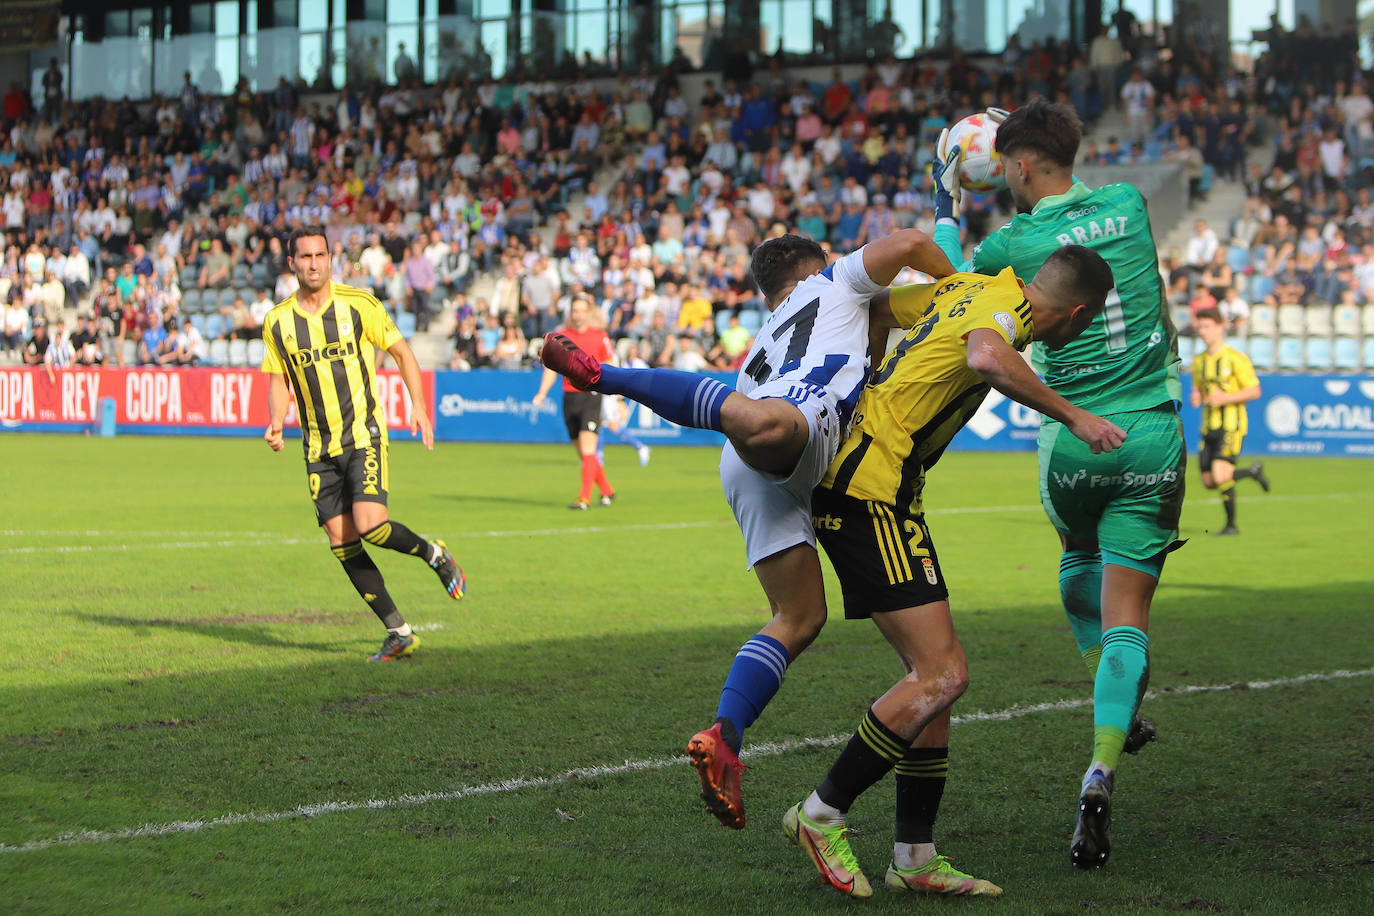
<point>1117,513</point>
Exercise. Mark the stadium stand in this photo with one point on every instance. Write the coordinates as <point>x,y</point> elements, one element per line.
<point>648,193</point>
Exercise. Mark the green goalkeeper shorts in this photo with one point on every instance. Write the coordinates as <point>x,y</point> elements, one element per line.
<point>1129,499</point>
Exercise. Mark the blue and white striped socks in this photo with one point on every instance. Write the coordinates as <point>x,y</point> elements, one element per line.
<point>754,678</point>
<point>684,398</point>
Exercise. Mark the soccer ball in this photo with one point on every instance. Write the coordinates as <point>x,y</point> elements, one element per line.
<point>980,169</point>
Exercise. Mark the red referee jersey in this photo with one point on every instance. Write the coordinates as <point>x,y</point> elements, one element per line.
<point>594,341</point>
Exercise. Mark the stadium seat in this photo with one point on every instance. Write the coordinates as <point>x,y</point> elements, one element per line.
<point>1317,321</point>
<point>1263,321</point>
<point>219,352</point>
<point>1367,321</point>
<point>258,275</point>
<point>198,322</point>
<point>130,352</point>
<point>214,324</point>
<point>1345,321</point>
<point>1290,353</point>
<point>240,274</point>
<point>1292,319</point>
<point>238,353</point>
<point>1262,352</point>
<point>1346,354</point>
<point>256,351</point>
<point>1317,353</point>
<point>1239,344</point>
<point>226,297</point>
<point>247,292</point>
<point>191,301</point>
<point>751,320</point>
<point>188,277</point>
<point>1367,358</point>
<point>405,323</point>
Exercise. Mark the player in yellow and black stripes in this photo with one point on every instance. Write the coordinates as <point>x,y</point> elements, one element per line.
<point>323,342</point>
<point>964,335</point>
<point>1224,382</point>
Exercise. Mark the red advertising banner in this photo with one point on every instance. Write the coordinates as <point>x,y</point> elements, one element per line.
<point>197,397</point>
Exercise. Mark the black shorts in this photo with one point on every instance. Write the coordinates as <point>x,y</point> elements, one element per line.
<point>581,412</point>
<point>883,556</point>
<point>358,475</point>
<point>1219,445</point>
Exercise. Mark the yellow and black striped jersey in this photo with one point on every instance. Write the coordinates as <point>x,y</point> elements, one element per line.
<point>924,392</point>
<point>1228,372</point>
<point>330,359</point>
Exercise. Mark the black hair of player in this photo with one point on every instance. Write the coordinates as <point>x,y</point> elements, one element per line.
<point>1039,126</point>
<point>1081,274</point>
<point>306,232</point>
<point>779,263</point>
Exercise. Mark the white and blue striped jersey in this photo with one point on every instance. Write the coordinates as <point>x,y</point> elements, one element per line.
<point>817,339</point>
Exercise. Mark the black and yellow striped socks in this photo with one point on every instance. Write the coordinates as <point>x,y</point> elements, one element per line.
<point>367,579</point>
<point>921,775</point>
<point>1228,501</point>
<point>872,751</point>
<point>397,537</point>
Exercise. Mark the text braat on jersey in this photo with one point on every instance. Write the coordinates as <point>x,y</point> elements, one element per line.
<point>1110,227</point>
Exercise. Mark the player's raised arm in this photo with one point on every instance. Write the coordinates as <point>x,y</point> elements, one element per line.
<point>885,258</point>
<point>994,359</point>
<point>410,374</point>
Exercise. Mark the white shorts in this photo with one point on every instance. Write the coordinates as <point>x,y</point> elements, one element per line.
<point>774,513</point>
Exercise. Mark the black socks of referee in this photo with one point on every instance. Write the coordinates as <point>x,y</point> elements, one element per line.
<point>367,579</point>
<point>397,537</point>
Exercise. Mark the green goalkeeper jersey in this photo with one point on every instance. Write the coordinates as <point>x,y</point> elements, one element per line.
<point>1128,358</point>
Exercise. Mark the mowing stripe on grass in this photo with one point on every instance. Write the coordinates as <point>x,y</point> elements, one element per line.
<point>220,539</point>
<point>766,749</point>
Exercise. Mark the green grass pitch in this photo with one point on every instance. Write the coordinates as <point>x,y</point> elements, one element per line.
<point>189,724</point>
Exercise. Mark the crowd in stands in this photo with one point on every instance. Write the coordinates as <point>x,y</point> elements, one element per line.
<point>165,224</point>
<point>1305,235</point>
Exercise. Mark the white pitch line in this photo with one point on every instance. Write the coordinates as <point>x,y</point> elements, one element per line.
<point>765,749</point>
<point>217,539</point>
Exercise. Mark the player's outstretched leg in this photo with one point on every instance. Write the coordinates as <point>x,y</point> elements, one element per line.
<point>829,849</point>
<point>684,398</point>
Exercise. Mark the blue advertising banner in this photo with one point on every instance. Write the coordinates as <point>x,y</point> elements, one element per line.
<point>1295,415</point>
<point>498,406</point>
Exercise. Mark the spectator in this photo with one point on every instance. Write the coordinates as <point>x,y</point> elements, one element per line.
<point>420,281</point>
<point>1138,98</point>
<point>468,350</point>
<point>86,343</point>
<point>150,344</point>
<point>215,269</point>
<point>36,350</point>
